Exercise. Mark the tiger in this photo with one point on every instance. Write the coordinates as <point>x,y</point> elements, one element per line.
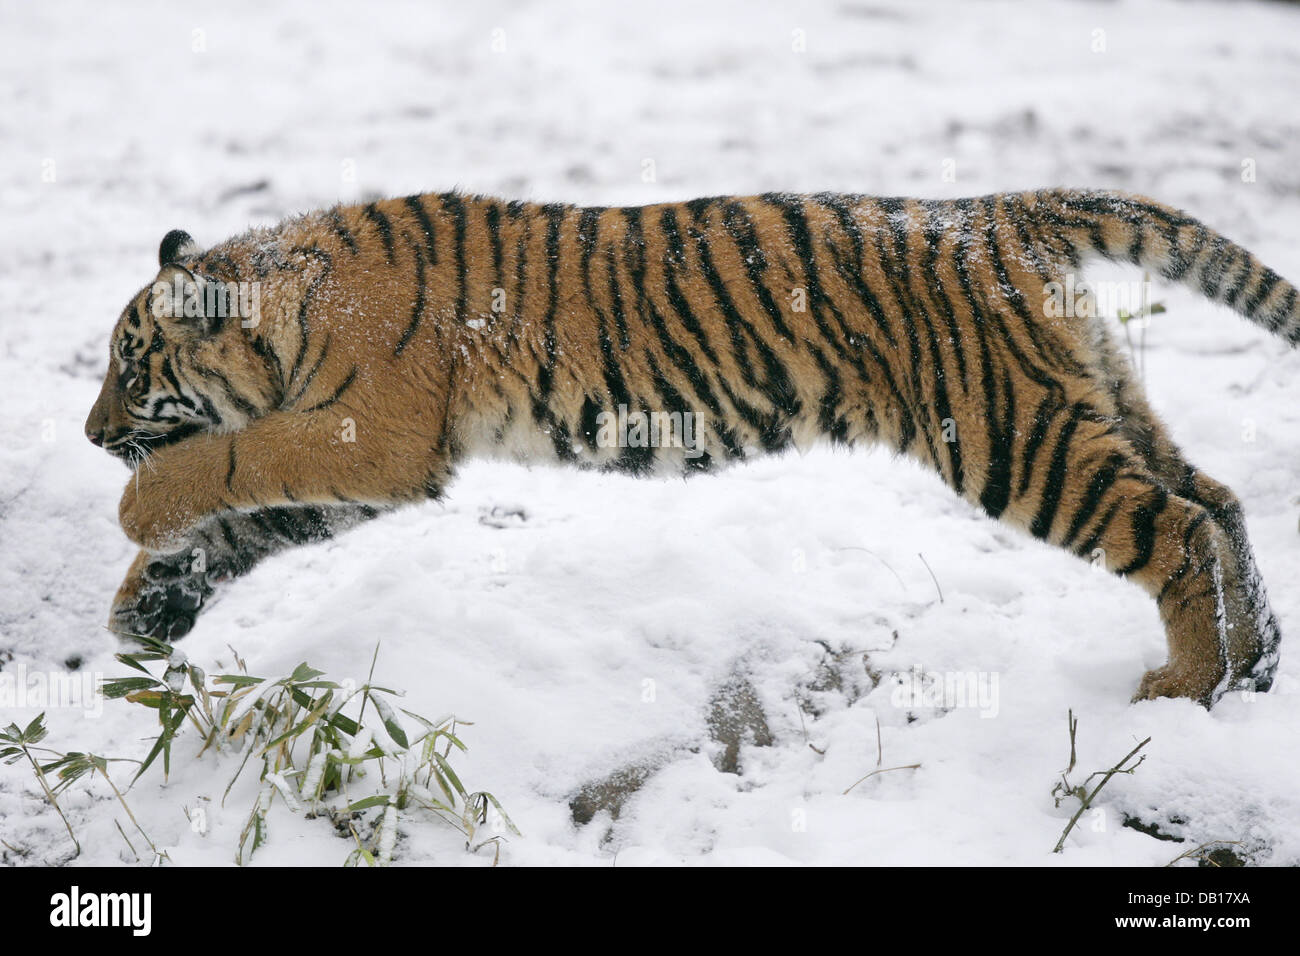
<point>396,338</point>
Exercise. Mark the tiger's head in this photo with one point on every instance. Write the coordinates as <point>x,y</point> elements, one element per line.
<point>181,361</point>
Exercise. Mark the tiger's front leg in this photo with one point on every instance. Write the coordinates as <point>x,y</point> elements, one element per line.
<point>285,459</point>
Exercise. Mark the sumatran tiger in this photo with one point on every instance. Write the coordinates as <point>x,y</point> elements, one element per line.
<point>293,381</point>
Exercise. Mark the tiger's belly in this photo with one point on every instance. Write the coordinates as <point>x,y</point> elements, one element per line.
<point>636,439</point>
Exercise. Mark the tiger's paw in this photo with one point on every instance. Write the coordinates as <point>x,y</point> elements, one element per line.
<point>160,598</point>
<point>1201,685</point>
<point>1257,671</point>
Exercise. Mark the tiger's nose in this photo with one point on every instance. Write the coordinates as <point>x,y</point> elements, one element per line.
<point>95,435</point>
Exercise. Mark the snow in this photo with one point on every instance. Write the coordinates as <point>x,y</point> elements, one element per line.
<point>590,632</point>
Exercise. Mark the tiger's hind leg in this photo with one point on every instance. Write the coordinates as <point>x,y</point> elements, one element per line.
<point>163,594</point>
<point>1096,496</point>
<point>1252,632</point>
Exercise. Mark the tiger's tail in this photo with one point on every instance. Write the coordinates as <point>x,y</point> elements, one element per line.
<point>1128,228</point>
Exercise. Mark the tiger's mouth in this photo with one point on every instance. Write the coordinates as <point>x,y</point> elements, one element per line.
<point>135,446</point>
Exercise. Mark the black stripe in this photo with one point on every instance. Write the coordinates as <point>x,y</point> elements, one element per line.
<point>338,392</point>
<point>1189,555</point>
<point>636,460</point>
<point>169,377</point>
<point>674,259</point>
<point>546,371</point>
<point>1288,314</point>
<point>456,206</point>
<point>738,226</point>
<point>521,279</point>
<point>850,349</point>
<point>311,374</point>
<point>1144,530</point>
<point>1220,257</point>
<point>341,227</point>
<point>828,421</point>
<point>262,348</point>
<point>1043,416</point>
<point>996,492</point>
<point>898,278</point>
<point>241,403</point>
<point>304,332</point>
<point>777,384</point>
<point>800,236</point>
<point>230,469</point>
<point>852,273</point>
<point>672,400</point>
<point>1048,347</point>
<point>1054,484</point>
<point>416,205</point>
<point>616,298</point>
<point>385,230</point>
<point>896,217</point>
<point>1183,260</point>
<point>492,221</point>
<point>1239,284</point>
<point>417,310</point>
<point>1268,279</point>
<point>1085,550</point>
<point>634,255</point>
<point>936,224</point>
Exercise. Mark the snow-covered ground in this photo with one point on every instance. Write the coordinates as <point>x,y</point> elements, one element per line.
<point>592,633</point>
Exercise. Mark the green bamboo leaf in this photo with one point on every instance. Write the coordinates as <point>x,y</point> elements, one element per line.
<point>55,764</point>
<point>304,672</point>
<point>454,740</point>
<point>451,775</point>
<point>444,785</point>
<point>378,800</point>
<point>390,722</point>
<point>34,732</point>
<point>238,680</point>
<point>303,700</point>
<point>153,755</point>
<point>130,661</point>
<point>121,686</point>
<point>344,724</point>
<point>360,853</point>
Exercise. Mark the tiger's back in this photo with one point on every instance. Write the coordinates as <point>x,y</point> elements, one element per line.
<point>444,326</point>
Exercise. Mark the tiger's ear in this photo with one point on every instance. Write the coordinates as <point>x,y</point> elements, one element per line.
<point>175,246</point>
<point>188,301</point>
